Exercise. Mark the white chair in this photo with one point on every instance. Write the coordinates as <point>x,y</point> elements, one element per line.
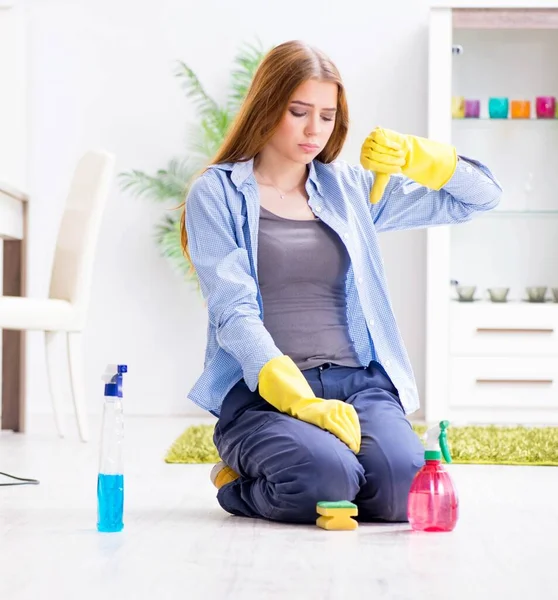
<point>64,312</point>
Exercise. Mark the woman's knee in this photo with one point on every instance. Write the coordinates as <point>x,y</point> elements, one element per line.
<point>322,475</point>
<point>389,478</point>
<point>402,478</point>
<point>337,478</point>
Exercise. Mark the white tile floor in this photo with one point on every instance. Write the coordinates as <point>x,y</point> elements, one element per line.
<point>178,543</point>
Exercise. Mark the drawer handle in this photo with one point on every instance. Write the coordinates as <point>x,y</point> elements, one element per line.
<point>545,381</point>
<point>512,330</point>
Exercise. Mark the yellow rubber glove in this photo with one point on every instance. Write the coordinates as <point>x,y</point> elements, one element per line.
<point>284,386</point>
<point>387,152</point>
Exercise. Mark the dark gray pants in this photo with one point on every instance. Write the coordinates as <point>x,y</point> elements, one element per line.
<point>286,465</point>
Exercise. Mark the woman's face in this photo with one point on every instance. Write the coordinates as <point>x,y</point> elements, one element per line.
<point>307,123</point>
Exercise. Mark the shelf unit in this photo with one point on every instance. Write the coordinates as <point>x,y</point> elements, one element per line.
<point>495,362</point>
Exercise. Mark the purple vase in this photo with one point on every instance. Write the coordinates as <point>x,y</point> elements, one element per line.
<point>472,109</point>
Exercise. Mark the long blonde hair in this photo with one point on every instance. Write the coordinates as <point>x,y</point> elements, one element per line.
<point>279,74</point>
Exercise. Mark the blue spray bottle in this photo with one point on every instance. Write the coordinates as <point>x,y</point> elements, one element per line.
<point>110,483</point>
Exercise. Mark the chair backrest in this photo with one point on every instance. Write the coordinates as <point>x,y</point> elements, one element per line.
<point>79,229</point>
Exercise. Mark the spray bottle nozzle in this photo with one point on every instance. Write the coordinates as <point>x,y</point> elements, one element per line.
<point>437,443</point>
<point>113,379</point>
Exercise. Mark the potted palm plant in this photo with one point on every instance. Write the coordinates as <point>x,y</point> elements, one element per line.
<point>170,186</point>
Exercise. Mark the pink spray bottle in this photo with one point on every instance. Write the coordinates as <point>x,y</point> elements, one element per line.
<point>433,503</point>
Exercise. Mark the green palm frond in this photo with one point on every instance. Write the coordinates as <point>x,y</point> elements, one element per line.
<point>194,90</point>
<point>167,236</point>
<point>170,186</point>
<point>247,61</point>
<point>206,138</point>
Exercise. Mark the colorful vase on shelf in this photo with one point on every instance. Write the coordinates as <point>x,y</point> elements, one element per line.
<point>458,107</point>
<point>546,107</point>
<point>498,108</point>
<point>520,109</point>
<point>472,109</point>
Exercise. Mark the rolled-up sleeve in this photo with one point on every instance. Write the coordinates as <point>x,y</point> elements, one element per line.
<point>406,204</point>
<point>223,270</point>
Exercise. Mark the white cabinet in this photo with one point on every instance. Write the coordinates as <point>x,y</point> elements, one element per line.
<point>490,361</point>
<point>510,329</point>
<point>503,383</point>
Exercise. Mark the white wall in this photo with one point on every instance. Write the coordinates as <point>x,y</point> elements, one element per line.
<point>100,75</point>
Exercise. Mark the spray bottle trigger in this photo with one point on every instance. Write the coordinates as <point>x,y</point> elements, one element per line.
<point>444,441</point>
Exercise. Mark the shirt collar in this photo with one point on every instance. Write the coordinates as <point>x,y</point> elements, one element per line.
<point>241,172</point>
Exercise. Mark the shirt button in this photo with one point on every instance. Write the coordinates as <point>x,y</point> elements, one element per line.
<point>318,208</point>
<point>469,169</point>
<point>371,322</point>
<point>387,363</point>
<point>359,280</point>
<point>346,236</point>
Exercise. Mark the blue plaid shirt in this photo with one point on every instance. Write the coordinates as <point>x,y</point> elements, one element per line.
<point>222,219</point>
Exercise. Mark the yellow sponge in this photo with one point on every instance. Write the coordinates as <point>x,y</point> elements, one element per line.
<point>336,516</point>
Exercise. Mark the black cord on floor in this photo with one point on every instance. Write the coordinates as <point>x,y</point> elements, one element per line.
<point>20,480</point>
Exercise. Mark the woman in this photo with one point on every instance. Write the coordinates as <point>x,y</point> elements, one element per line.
<point>305,367</point>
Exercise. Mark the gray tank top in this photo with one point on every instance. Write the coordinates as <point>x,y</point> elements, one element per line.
<point>302,268</point>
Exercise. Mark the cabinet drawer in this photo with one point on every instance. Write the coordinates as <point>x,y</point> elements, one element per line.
<point>521,382</point>
<point>515,328</point>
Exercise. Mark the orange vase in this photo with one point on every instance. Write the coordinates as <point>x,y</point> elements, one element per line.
<point>520,109</point>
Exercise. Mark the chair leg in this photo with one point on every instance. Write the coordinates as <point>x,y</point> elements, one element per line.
<point>77,375</point>
<point>54,364</point>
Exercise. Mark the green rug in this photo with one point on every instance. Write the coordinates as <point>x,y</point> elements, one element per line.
<point>468,445</point>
